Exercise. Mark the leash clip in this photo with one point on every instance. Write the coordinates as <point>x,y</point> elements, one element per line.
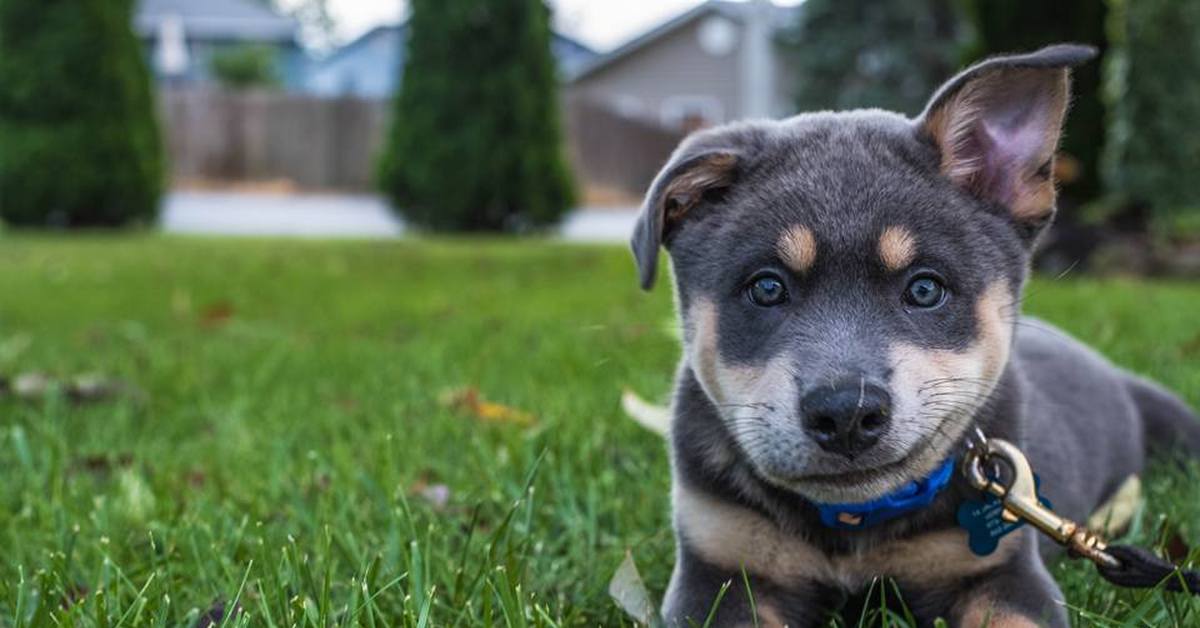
<point>1020,498</point>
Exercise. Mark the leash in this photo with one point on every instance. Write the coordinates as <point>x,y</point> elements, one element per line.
<point>1122,565</point>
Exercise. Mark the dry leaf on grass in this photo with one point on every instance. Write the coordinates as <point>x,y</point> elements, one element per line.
<point>80,388</point>
<point>102,463</point>
<point>435,494</point>
<point>468,401</point>
<point>216,314</point>
<point>653,417</point>
<point>30,385</point>
<point>92,387</point>
<point>629,592</point>
<point>215,615</point>
<point>427,489</point>
<point>1191,347</point>
<point>1176,548</point>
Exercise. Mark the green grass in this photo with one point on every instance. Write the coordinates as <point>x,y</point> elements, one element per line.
<point>289,409</point>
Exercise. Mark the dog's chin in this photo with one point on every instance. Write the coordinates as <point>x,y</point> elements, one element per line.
<point>862,484</point>
<point>846,488</point>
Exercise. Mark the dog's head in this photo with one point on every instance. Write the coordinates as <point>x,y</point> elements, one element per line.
<point>848,282</point>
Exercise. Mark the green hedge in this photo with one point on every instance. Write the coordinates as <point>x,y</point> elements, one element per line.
<point>1152,85</point>
<point>1020,25</point>
<point>475,143</point>
<point>79,142</point>
<point>851,54</point>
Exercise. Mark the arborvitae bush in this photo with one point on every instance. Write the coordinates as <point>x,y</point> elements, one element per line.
<point>475,142</point>
<point>1152,84</point>
<point>79,141</point>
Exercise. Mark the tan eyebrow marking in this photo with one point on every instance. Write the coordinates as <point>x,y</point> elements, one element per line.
<point>798,248</point>
<point>897,248</point>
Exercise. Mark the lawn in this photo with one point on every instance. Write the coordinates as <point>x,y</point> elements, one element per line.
<point>292,443</point>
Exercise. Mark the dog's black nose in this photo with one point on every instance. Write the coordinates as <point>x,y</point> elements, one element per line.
<point>847,418</point>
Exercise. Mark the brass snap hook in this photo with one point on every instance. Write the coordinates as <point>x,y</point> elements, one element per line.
<point>1021,502</point>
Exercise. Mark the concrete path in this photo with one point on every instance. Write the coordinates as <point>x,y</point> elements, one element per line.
<point>306,215</point>
<point>605,224</point>
<point>339,216</point>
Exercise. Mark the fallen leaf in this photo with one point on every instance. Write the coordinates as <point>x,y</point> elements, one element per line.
<point>216,314</point>
<point>196,478</point>
<point>1176,548</point>
<point>103,463</point>
<point>1191,347</point>
<point>85,388</point>
<point>629,592</point>
<point>435,494</point>
<point>80,389</point>
<point>438,495</point>
<point>215,615</point>
<point>31,385</point>
<point>468,400</point>
<point>653,417</point>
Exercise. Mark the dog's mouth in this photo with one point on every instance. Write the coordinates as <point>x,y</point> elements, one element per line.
<point>865,483</point>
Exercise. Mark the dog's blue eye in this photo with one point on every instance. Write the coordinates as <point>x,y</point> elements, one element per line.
<point>767,291</point>
<point>925,292</point>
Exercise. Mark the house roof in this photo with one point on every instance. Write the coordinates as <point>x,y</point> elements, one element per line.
<point>736,11</point>
<point>392,30</point>
<point>239,20</point>
<point>570,53</point>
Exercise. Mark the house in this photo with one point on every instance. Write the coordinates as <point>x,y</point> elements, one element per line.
<point>717,62</point>
<point>181,37</point>
<point>371,66</point>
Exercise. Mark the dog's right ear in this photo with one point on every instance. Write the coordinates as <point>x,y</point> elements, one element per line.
<point>692,172</point>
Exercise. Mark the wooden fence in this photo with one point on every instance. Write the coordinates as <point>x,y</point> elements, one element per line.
<point>216,135</point>
<point>319,143</point>
<point>614,157</point>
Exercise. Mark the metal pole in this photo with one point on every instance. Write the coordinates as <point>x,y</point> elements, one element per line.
<point>758,68</point>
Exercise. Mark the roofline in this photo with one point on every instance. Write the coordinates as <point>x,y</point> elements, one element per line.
<point>403,24</point>
<point>341,50</point>
<point>650,36</point>
<point>282,29</point>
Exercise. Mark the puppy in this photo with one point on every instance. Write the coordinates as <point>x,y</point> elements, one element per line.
<point>849,288</point>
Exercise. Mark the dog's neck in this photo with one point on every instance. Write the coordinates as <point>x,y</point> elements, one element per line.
<point>706,457</point>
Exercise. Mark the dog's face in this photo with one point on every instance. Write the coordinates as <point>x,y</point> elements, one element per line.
<point>848,282</point>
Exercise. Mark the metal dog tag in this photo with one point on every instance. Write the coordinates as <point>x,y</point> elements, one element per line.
<point>985,522</point>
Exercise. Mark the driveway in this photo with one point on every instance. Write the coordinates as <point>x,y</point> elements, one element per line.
<point>306,215</point>
<point>340,216</point>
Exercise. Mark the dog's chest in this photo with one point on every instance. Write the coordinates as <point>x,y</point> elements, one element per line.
<point>732,537</point>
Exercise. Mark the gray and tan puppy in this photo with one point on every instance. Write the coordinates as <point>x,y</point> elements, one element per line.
<point>849,287</point>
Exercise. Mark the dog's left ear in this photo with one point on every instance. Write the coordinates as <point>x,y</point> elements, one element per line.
<point>997,126</point>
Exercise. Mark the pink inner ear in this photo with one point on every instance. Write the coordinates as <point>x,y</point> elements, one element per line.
<point>1011,142</point>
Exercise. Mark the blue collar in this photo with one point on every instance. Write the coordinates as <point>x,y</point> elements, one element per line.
<point>907,498</point>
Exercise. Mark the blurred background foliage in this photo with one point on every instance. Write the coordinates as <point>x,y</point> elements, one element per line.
<point>80,141</point>
<point>1138,109</point>
<point>476,142</point>
<point>889,55</point>
<point>1028,24</point>
<point>81,145</point>
<point>1152,91</point>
